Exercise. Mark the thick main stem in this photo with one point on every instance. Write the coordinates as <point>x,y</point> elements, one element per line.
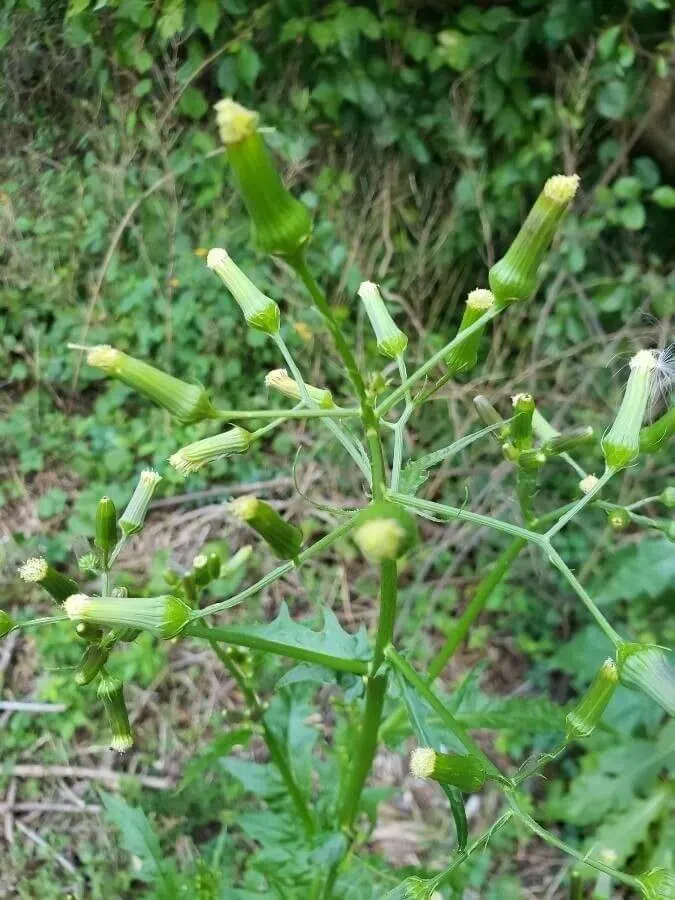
<point>276,752</point>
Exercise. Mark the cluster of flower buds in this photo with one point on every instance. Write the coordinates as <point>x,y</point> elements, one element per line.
<point>385,531</point>
<point>280,224</point>
<point>284,538</point>
<point>464,772</point>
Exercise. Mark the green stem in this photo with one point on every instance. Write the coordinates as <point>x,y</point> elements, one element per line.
<point>335,412</point>
<point>242,637</point>
<point>35,623</point>
<point>554,841</point>
<point>388,596</point>
<point>579,505</point>
<point>459,338</point>
<point>277,573</point>
<point>479,842</point>
<point>276,752</point>
<point>425,692</point>
<point>453,512</point>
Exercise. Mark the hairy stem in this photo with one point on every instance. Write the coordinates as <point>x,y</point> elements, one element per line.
<point>335,412</point>
<point>275,749</point>
<point>579,505</point>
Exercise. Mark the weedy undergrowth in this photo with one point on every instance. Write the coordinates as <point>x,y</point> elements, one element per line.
<point>372,432</point>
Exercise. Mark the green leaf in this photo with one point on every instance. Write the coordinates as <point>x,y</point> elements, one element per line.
<point>76,7</point>
<point>193,103</point>
<point>307,672</point>
<point>608,41</point>
<point>261,779</point>
<point>527,715</point>
<point>454,49</point>
<point>664,196</point>
<point>624,832</point>
<point>612,100</point>
<point>645,570</point>
<point>208,16</point>
<point>138,837</point>
<point>171,20</point>
<point>248,65</point>
<point>633,216</point>
<point>214,752</point>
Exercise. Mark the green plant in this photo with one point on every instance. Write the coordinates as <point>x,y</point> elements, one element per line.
<point>384,531</point>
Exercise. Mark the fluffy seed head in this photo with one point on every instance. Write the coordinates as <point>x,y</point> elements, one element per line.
<point>480,299</point>
<point>34,569</point>
<point>561,188</point>
<point>422,761</point>
<point>587,484</point>
<point>234,121</point>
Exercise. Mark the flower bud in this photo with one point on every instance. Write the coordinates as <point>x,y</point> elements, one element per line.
<point>111,693</point>
<point>106,526</point>
<point>529,460</point>
<point>200,569</point>
<point>646,668</point>
<point>280,381</point>
<point>236,562</point>
<point>569,440</point>
<point>215,565</point>
<point>89,563</point>
<point>667,496</point>
<point>6,623</point>
<point>164,616</point>
<point>284,539</point>
<point>462,358</point>
<point>587,713</point>
<point>514,276</point>
<point>618,519</point>
<point>93,660</point>
<point>489,416</point>
<point>656,435</point>
<point>92,634</point>
<point>621,444</point>
<point>38,571</point>
<point>191,458</point>
<point>587,484</point>
<point>521,424</point>
<point>187,403</point>
<point>134,515</point>
<point>657,884</point>
<point>465,772</point>
<point>391,342</point>
<point>260,311</point>
<point>385,531</point>
<point>280,224</point>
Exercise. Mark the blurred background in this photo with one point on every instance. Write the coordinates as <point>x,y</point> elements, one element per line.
<point>419,134</point>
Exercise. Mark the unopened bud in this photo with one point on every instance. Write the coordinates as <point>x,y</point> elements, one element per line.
<point>514,276</point>
<point>191,458</point>
<point>106,526</point>
<point>215,565</point>
<point>6,623</point>
<point>646,668</point>
<point>621,444</point>
<point>618,519</point>
<point>385,531</point>
<point>236,562</point>
<point>521,424</point>
<point>464,772</point>
<point>260,311</point>
<point>589,710</point>
<point>462,358</point>
<point>489,416</point>
<point>587,484</point>
<point>111,693</point>
<point>134,515</point>
<point>164,616</point>
<point>93,660</point>
<point>280,381</point>
<point>667,496</point>
<point>529,460</point>
<point>391,341</point>
<point>284,538</point>
<point>280,224</point>
<point>657,884</point>
<point>187,403</point>
<point>569,440</point>
<point>38,571</point>
<point>200,569</point>
<point>92,634</point>
<point>657,435</point>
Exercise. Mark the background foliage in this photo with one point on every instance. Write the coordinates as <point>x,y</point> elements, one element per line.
<point>419,132</point>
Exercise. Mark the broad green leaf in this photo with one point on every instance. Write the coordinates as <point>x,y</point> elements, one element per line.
<point>261,779</point>
<point>171,19</point>
<point>214,752</point>
<point>75,7</point>
<point>608,40</point>
<point>623,833</point>
<point>633,216</point>
<point>520,714</point>
<point>138,837</point>
<point>645,570</point>
<point>248,65</point>
<point>208,16</point>
<point>612,100</point>
<point>288,714</point>
<point>193,103</point>
<point>454,49</point>
<point>664,196</point>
